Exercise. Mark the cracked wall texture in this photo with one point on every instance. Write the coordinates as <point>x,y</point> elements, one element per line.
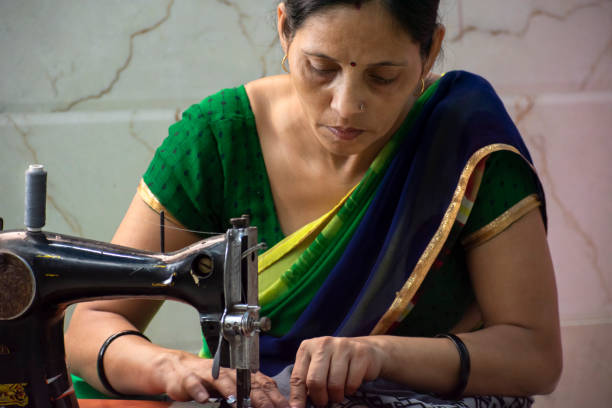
<point>84,80</point>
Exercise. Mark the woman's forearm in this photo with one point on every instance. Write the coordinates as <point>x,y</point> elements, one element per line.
<point>127,361</point>
<point>514,360</point>
<point>505,360</point>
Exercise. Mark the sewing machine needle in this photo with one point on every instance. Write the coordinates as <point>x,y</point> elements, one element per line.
<point>243,387</point>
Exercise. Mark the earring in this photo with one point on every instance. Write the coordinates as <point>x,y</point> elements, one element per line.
<point>422,87</point>
<point>362,106</point>
<point>283,64</point>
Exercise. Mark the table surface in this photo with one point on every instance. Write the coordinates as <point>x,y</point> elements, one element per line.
<point>107,403</point>
<point>103,403</point>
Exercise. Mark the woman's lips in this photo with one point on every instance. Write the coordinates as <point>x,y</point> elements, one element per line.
<point>345,133</point>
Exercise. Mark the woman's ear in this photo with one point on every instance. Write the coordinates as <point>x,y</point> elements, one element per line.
<point>281,21</point>
<point>436,46</point>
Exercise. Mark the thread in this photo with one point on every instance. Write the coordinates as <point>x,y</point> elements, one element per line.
<point>170,226</point>
<point>35,197</point>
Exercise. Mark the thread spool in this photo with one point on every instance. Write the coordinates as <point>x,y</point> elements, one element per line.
<point>35,197</point>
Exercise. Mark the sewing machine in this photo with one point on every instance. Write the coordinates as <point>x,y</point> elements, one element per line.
<point>41,273</point>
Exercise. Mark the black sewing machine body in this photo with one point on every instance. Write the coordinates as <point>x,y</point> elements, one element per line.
<point>41,273</point>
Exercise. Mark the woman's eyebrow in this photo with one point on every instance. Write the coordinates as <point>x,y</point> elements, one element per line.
<point>381,63</point>
<point>388,64</point>
<point>319,55</point>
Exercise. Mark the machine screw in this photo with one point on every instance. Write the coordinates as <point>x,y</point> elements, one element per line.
<point>264,324</point>
<point>241,222</point>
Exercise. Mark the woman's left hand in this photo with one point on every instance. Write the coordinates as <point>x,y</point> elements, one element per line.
<point>328,368</point>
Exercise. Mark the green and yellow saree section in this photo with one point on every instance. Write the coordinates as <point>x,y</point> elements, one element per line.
<point>276,262</point>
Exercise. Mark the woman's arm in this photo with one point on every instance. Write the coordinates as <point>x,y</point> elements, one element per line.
<point>514,282</point>
<point>132,364</point>
<point>517,353</point>
<point>93,322</point>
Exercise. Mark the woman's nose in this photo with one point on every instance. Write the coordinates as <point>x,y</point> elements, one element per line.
<point>347,100</point>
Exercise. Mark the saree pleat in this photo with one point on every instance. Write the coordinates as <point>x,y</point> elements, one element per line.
<point>406,222</point>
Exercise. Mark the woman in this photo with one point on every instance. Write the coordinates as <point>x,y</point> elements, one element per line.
<point>390,179</point>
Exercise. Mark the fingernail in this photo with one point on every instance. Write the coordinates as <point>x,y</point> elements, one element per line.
<point>201,397</point>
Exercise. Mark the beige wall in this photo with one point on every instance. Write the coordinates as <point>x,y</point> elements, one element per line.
<point>89,88</point>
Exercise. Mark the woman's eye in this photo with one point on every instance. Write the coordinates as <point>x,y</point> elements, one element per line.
<point>322,70</point>
<point>382,80</point>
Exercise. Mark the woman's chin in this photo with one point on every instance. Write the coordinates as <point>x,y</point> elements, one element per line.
<point>344,147</point>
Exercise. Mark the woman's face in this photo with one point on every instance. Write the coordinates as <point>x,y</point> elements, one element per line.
<point>344,57</point>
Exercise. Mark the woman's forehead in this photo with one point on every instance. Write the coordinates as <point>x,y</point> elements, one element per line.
<point>369,31</point>
<point>371,9</point>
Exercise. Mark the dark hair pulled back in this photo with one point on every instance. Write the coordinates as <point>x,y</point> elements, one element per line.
<point>419,18</point>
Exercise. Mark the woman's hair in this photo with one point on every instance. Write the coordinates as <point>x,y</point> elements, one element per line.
<point>419,18</point>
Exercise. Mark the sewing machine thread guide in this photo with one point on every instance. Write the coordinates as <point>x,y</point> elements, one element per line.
<point>162,232</point>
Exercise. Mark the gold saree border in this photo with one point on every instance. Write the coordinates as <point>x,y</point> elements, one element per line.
<point>423,265</point>
<point>149,198</point>
<point>502,222</point>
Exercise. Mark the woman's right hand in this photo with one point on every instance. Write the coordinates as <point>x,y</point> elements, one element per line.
<point>184,376</point>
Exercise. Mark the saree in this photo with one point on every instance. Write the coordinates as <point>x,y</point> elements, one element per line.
<point>372,271</point>
<point>386,394</point>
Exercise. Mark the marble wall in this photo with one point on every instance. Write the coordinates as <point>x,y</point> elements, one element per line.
<point>89,88</point>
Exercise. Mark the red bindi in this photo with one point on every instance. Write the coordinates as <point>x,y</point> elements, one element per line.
<point>353,64</point>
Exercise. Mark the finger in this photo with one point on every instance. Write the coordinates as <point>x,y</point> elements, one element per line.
<point>337,376</point>
<point>271,389</point>
<point>225,385</point>
<point>318,371</point>
<point>260,399</point>
<point>356,372</point>
<point>190,387</point>
<point>278,399</point>
<point>261,390</point>
<point>297,381</point>
<point>195,389</point>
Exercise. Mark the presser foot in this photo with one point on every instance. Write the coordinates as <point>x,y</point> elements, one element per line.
<point>233,402</point>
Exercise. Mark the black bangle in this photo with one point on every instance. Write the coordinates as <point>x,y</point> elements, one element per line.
<point>101,374</point>
<point>464,365</point>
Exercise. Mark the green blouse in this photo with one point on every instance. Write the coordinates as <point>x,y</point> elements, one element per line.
<point>210,168</point>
